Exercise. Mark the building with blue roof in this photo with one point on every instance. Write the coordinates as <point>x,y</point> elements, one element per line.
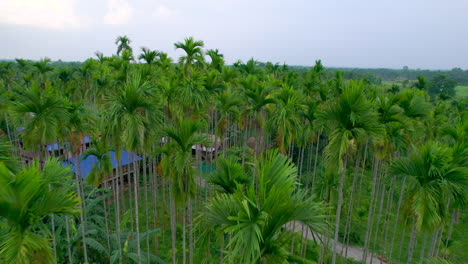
<point>86,165</point>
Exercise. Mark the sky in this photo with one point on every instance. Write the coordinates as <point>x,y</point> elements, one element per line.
<point>426,34</point>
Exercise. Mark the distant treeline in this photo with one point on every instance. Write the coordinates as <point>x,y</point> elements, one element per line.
<point>373,75</point>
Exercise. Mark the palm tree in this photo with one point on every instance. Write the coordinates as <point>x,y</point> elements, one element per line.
<point>26,198</point>
<point>226,102</point>
<point>217,59</point>
<point>133,116</point>
<point>80,121</point>
<point>432,178</point>
<point>229,175</point>
<point>123,43</point>
<point>177,166</point>
<point>193,54</point>
<point>41,113</point>
<point>286,117</point>
<point>256,220</point>
<point>350,119</point>
<point>149,56</point>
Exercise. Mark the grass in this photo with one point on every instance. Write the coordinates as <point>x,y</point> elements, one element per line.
<point>461,91</point>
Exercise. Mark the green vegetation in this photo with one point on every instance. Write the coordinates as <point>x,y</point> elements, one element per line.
<point>461,91</point>
<point>135,158</point>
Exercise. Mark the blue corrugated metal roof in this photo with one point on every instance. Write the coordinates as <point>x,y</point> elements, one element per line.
<point>56,145</point>
<point>87,164</point>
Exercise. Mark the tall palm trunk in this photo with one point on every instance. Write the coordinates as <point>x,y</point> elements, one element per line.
<point>350,207</point>
<point>338,208</point>
<point>190,230</point>
<point>67,230</point>
<point>82,207</point>
<point>369,216</point>
<point>395,224</point>
<point>314,175</point>
<point>137,215</point>
<point>387,217</point>
<point>154,192</point>
<point>411,243</point>
<point>423,248</point>
<point>377,224</point>
<point>117,185</point>
<point>106,223</point>
<point>402,239</point>
<point>173,225</point>
<point>145,182</point>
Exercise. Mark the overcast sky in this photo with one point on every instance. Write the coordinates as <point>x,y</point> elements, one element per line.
<point>429,34</point>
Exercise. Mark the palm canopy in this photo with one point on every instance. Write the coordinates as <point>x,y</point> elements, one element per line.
<point>256,220</point>
<point>177,163</point>
<point>41,113</point>
<point>432,179</point>
<point>103,167</point>
<point>149,56</point>
<point>229,175</point>
<point>123,43</point>
<point>193,53</point>
<point>133,113</point>
<point>27,197</point>
<point>350,119</point>
<point>286,116</point>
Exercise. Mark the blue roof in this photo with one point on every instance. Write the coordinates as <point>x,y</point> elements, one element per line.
<point>55,146</point>
<point>87,164</point>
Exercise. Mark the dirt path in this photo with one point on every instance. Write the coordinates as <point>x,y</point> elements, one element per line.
<point>353,251</point>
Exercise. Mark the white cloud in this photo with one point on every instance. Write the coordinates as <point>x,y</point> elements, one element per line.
<point>119,12</point>
<point>55,14</point>
<point>164,13</point>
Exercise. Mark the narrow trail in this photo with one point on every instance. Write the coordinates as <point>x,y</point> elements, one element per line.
<point>353,251</point>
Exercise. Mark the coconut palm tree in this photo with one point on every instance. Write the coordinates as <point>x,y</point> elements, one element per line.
<point>350,120</point>
<point>431,179</point>
<point>27,198</point>
<point>256,220</point>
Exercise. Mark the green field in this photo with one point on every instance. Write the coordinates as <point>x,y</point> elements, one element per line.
<point>461,91</point>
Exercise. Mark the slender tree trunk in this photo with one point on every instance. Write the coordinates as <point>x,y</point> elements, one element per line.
<point>369,216</point>
<point>145,182</point>
<point>350,207</point>
<point>106,220</point>
<point>184,235</point>
<point>402,239</point>
<point>377,224</point>
<point>190,230</point>
<point>67,230</point>
<point>395,224</point>
<point>316,159</point>
<point>423,248</point>
<point>154,176</point>
<point>450,229</point>
<point>137,215</point>
<point>117,190</point>
<point>358,200</point>
<point>387,218</point>
<point>82,208</point>
<point>173,225</point>
<point>411,243</point>
<point>338,209</point>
